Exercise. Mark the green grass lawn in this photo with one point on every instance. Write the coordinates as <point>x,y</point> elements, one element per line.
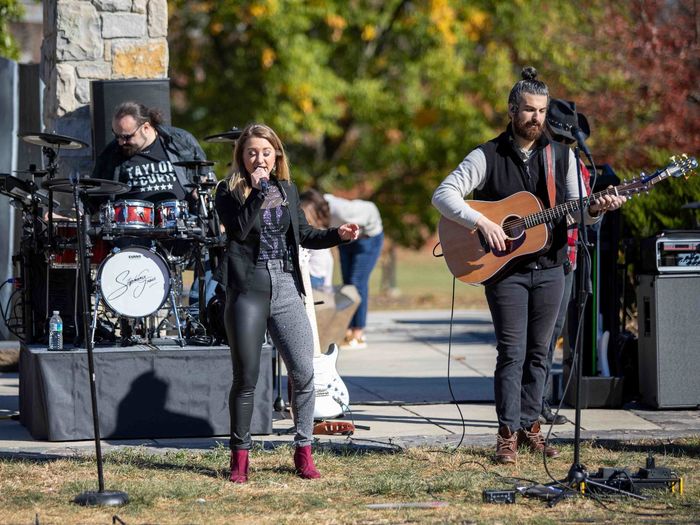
<point>192,487</point>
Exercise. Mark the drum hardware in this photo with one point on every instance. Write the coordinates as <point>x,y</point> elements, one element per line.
<point>49,140</point>
<point>135,283</point>
<point>228,137</point>
<point>202,184</point>
<point>88,186</point>
<point>51,145</point>
<point>194,163</point>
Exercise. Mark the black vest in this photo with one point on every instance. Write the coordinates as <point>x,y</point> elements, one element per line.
<point>506,174</point>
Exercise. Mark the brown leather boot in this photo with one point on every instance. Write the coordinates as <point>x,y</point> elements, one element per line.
<point>506,446</point>
<point>239,466</point>
<point>534,439</point>
<point>304,463</point>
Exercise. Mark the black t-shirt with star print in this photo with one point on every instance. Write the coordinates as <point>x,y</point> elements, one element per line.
<point>151,176</point>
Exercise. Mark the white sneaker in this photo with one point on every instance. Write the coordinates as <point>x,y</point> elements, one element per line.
<point>353,343</point>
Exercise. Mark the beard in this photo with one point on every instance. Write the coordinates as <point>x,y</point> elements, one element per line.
<point>129,150</point>
<point>527,130</point>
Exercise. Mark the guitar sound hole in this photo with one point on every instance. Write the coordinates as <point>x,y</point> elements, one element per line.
<point>514,228</point>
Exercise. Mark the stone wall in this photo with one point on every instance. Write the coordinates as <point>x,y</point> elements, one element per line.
<point>86,40</point>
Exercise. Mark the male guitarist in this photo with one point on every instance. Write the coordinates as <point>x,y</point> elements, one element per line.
<point>525,299</point>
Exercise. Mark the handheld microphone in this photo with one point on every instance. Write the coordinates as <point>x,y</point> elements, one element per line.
<point>264,186</point>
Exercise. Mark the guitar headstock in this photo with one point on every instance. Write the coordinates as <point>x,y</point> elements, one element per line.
<point>682,165</point>
<point>679,166</point>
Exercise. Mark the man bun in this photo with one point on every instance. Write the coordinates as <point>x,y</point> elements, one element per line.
<point>528,73</point>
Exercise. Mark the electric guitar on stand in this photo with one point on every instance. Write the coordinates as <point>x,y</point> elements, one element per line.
<point>527,225</point>
<point>332,397</point>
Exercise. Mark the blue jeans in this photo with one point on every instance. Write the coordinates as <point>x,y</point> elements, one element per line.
<point>524,307</point>
<point>357,261</point>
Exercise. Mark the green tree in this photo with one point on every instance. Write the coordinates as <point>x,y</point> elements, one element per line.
<point>10,11</point>
<point>378,98</point>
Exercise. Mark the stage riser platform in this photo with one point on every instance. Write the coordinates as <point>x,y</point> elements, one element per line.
<point>142,393</point>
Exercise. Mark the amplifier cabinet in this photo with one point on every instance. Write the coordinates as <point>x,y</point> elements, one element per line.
<point>671,252</point>
<point>669,340</point>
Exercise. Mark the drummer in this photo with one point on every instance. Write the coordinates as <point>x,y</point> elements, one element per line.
<point>143,154</point>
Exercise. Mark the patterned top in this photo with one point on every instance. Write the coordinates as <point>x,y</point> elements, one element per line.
<point>274,216</point>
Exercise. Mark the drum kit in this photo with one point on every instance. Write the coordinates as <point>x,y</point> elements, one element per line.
<point>137,251</point>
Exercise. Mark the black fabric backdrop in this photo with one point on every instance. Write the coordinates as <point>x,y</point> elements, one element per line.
<point>141,393</point>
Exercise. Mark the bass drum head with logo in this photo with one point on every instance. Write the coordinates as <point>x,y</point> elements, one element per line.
<point>134,282</point>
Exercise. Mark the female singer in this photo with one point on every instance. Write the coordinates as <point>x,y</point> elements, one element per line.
<point>259,207</point>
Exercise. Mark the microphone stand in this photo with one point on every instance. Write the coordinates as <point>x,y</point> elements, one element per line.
<point>101,497</point>
<point>578,477</point>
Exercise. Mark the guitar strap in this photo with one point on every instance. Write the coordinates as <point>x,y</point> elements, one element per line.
<point>549,162</point>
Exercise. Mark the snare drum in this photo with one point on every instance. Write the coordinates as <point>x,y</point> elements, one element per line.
<point>168,212</point>
<point>134,282</point>
<point>127,214</point>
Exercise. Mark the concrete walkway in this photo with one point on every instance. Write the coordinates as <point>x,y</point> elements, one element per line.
<point>399,394</point>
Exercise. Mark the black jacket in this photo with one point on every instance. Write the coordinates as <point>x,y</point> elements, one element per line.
<point>243,225</point>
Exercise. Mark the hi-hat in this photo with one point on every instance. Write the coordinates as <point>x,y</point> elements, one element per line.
<point>229,136</point>
<point>89,186</point>
<point>194,163</point>
<point>51,139</point>
<point>202,184</point>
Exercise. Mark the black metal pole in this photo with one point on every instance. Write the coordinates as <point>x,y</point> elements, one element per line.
<point>101,497</point>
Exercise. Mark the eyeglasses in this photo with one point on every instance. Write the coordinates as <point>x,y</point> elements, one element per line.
<point>124,137</point>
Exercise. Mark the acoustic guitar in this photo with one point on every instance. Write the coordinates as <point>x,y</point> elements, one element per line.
<point>527,225</point>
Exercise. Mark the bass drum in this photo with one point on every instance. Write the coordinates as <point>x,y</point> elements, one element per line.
<point>134,282</point>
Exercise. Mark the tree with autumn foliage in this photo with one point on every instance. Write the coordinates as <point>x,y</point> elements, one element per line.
<point>380,99</point>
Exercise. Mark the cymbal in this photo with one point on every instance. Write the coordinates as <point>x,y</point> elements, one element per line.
<point>51,140</point>
<point>203,184</point>
<point>194,163</point>
<point>36,173</point>
<point>229,136</point>
<point>86,185</point>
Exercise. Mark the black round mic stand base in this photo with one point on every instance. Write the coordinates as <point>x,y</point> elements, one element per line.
<point>107,498</point>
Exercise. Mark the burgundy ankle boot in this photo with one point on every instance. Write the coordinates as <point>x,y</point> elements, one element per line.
<point>239,466</point>
<point>304,463</point>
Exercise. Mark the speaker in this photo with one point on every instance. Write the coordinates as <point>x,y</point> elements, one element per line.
<point>106,95</point>
<point>669,358</point>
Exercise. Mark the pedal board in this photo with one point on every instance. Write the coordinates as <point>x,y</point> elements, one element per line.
<point>652,478</point>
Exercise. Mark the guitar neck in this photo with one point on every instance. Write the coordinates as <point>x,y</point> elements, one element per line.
<point>642,183</point>
<point>310,308</point>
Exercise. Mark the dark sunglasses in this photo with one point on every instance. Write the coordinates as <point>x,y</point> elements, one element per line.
<point>125,137</point>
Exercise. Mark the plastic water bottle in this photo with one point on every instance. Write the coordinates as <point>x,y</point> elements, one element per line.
<point>55,332</point>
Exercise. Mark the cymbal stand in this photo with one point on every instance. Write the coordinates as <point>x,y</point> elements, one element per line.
<point>51,169</point>
<point>201,248</point>
<point>101,497</point>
